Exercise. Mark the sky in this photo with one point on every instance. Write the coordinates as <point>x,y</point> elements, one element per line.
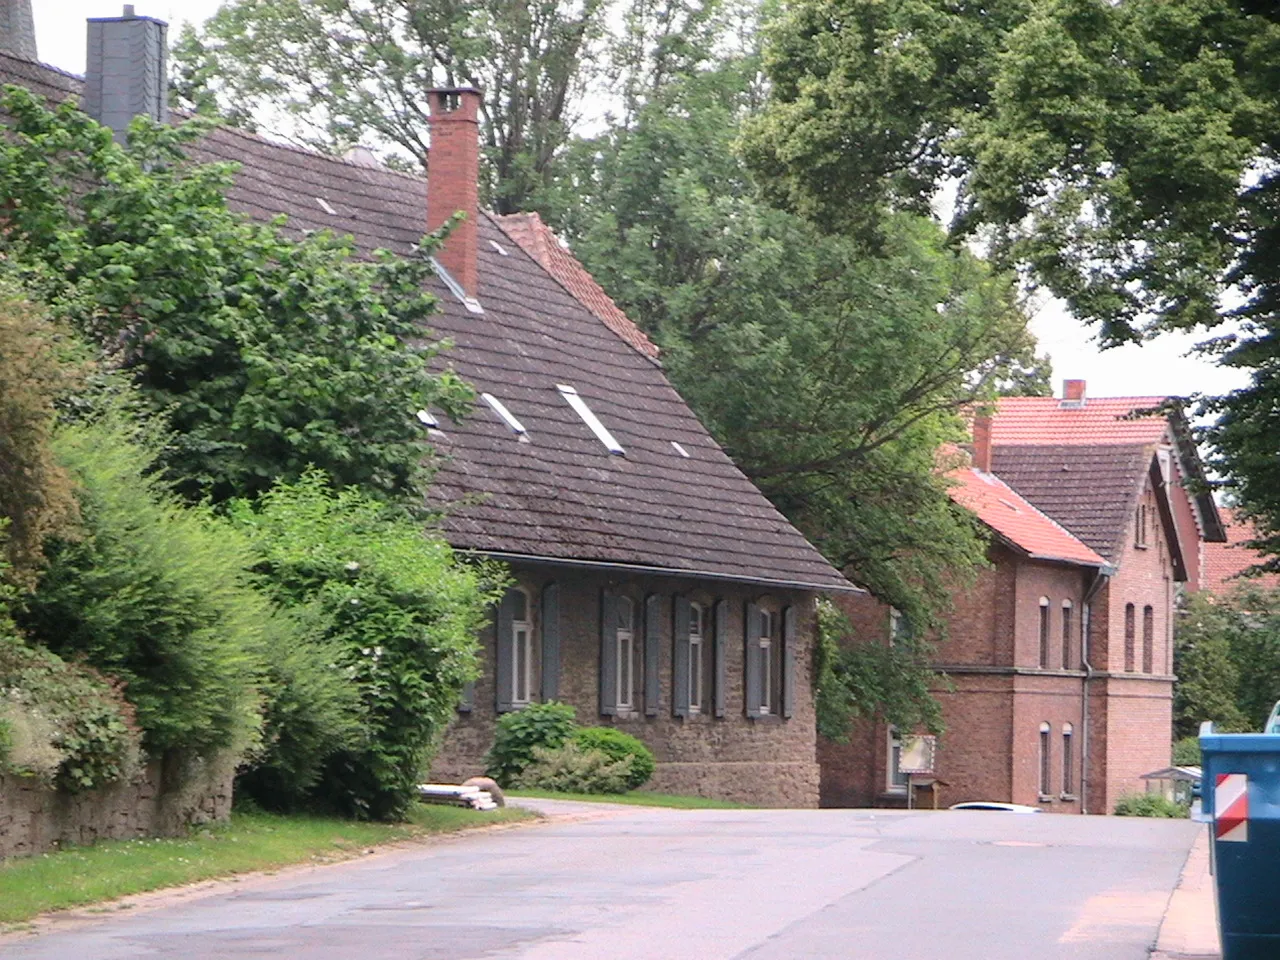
<point>1164,367</point>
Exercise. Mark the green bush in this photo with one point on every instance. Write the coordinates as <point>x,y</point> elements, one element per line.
<point>520,732</point>
<point>154,594</point>
<point>1149,805</point>
<point>396,613</point>
<point>1186,752</point>
<point>617,745</point>
<point>569,768</point>
<point>63,723</point>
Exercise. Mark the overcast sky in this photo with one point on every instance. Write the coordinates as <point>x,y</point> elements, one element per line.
<point>1162,367</point>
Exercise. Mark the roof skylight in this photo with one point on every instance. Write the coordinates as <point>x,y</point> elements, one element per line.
<point>427,418</point>
<point>680,450</point>
<point>498,407</point>
<point>471,303</point>
<point>324,205</point>
<point>499,247</point>
<point>590,419</point>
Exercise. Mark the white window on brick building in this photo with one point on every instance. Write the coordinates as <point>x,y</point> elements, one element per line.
<point>1068,616</point>
<point>1068,761</point>
<point>895,779</point>
<point>1046,760</point>
<point>1044,632</point>
<point>521,650</point>
<point>697,631</point>
<point>626,640</point>
<point>1148,639</point>
<point>765,651</point>
<point>1129,639</point>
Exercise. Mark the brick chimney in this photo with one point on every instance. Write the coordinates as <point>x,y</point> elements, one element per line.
<point>982,441</point>
<point>1073,393</point>
<point>17,29</point>
<point>126,71</point>
<point>453,169</point>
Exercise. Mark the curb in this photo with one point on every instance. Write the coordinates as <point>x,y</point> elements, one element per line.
<point>1189,930</point>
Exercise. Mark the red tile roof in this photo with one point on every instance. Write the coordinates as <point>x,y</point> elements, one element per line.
<point>1223,561</point>
<point>1011,516</point>
<point>1023,421</point>
<point>540,242</point>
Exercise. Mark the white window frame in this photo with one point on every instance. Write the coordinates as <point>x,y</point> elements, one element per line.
<point>522,643</point>
<point>697,634</point>
<point>1068,761</point>
<point>895,781</point>
<point>1068,618</point>
<point>623,668</point>
<point>768,624</point>
<point>1044,634</point>
<point>1044,772</point>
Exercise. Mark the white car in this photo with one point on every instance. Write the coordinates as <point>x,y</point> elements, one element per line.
<point>995,805</point>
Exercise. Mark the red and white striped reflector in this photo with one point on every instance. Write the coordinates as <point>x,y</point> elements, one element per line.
<point>1231,807</point>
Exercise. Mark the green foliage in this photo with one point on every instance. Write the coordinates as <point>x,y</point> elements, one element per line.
<point>518,733</point>
<point>617,745</point>
<point>1149,805</point>
<point>262,353</point>
<point>1186,752</point>
<point>343,73</point>
<point>855,679</point>
<point>154,594</point>
<point>396,610</point>
<point>572,768</point>
<point>37,368</point>
<point>63,723</point>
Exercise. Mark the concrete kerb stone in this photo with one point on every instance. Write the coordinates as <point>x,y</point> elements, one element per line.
<point>1189,930</point>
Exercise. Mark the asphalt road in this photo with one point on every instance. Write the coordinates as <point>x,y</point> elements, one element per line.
<point>629,882</point>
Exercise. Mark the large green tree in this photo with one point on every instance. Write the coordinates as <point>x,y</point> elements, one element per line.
<point>262,353</point>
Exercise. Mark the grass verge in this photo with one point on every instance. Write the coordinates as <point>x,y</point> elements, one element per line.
<point>79,876</point>
<point>637,798</point>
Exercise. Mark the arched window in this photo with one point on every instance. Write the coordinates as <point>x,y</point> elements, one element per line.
<point>1129,638</point>
<point>1148,639</point>
<point>1068,612</point>
<point>1046,747</point>
<point>625,652</point>
<point>1044,632</point>
<point>1068,760</point>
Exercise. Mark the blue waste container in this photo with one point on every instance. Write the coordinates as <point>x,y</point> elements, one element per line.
<point>1240,793</point>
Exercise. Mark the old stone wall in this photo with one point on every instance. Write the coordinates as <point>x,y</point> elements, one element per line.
<point>766,761</point>
<point>163,800</point>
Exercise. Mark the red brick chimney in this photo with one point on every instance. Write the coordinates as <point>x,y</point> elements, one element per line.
<point>453,169</point>
<point>1073,392</point>
<point>982,441</point>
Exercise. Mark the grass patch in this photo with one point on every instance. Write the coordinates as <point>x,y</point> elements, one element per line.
<point>79,876</point>
<point>636,798</point>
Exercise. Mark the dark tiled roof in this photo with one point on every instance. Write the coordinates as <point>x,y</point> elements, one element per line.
<point>560,495</point>
<point>1090,490</point>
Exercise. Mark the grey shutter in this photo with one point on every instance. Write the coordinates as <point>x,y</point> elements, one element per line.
<point>788,661</point>
<point>608,654</point>
<point>680,615</point>
<point>502,651</point>
<point>467,701</point>
<point>550,641</point>
<point>720,670</point>
<point>652,653</point>
<point>751,654</point>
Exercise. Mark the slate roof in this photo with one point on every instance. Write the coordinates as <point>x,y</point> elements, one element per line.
<point>1223,562</point>
<point>1090,490</point>
<point>559,496</point>
<point>1017,521</point>
<point>540,242</point>
<point>1045,421</point>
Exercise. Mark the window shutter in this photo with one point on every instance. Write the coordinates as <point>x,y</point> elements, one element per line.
<point>608,654</point>
<point>467,701</point>
<point>751,654</point>
<point>502,651</point>
<point>788,661</point>
<point>550,641</point>
<point>652,653</point>
<point>719,669</point>
<point>680,614</point>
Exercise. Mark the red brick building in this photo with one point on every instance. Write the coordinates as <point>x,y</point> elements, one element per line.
<point>1059,659</point>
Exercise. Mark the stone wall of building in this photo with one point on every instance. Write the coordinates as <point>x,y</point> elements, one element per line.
<point>766,761</point>
<point>162,801</point>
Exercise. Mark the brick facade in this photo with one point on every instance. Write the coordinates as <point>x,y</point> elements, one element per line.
<point>768,761</point>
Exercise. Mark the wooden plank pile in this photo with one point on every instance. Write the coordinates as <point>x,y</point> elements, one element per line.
<point>452,795</point>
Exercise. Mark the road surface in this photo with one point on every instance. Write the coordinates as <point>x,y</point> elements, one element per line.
<point>630,882</point>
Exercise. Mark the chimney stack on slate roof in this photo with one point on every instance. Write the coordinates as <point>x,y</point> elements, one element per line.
<point>126,71</point>
<point>17,29</point>
<point>1073,393</point>
<point>453,169</point>
<point>982,441</point>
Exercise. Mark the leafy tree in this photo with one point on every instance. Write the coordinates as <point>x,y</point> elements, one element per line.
<point>1205,663</point>
<point>395,608</point>
<point>37,498</point>
<point>261,352</point>
<point>344,71</point>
